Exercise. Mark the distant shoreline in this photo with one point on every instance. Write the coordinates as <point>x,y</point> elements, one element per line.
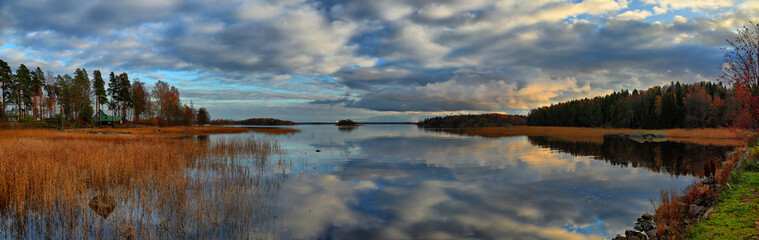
<point>362,123</point>
<point>714,136</point>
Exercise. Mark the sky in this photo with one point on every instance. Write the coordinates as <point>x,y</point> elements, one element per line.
<point>368,60</point>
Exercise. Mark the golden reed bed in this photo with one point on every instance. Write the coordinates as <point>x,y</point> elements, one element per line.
<point>47,178</point>
<point>721,136</point>
<point>181,130</point>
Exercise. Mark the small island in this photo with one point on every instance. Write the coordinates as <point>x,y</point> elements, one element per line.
<point>347,123</point>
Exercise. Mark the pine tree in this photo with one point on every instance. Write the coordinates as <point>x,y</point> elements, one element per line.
<point>113,91</point>
<point>6,78</point>
<point>21,88</point>
<point>38,81</point>
<point>98,86</point>
<point>124,95</point>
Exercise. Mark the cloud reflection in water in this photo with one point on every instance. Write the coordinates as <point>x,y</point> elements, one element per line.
<point>387,183</point>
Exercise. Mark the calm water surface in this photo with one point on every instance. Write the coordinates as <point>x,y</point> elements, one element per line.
<point>400,182</point>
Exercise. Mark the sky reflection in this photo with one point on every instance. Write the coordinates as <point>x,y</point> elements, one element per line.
<point>398,182</point>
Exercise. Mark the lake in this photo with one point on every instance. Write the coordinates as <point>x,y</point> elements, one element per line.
<point>401,182</point>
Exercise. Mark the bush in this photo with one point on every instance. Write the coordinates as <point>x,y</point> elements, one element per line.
<point>27,119</point>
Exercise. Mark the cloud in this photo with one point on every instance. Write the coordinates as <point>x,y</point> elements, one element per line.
<point>393,55</point>
<point>680,19</point>
<point>695,5</point>
<point>343,100</point>
<point>634,15</point>
<point>538,88</point>
<point>659,10</point>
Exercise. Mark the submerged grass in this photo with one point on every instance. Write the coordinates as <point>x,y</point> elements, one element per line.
<point>163,187</point>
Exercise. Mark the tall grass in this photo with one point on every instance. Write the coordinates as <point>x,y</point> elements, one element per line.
<point>719,137</point>
<point>668,215</point>
<point>163,187</point>
<point>675,212</point>
<point>179,130</point>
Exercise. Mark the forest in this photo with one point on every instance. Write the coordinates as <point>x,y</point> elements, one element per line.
<point>253,121</point>
<point>697,105</point>
<point>482,120</point>
<point>34,95</point>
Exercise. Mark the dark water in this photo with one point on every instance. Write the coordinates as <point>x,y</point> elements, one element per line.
<point>400,182</point>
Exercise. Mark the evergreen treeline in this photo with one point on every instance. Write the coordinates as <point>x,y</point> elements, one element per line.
<point>676,105</point>
<point>253,121</point>
<point>482,120</point>
<point>33,94</point>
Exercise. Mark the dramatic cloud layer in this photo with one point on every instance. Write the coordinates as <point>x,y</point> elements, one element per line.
<point>386,60</point>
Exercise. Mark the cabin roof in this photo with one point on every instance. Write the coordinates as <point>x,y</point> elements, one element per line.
<point>101,116</point>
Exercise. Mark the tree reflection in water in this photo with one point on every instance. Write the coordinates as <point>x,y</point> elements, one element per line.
<point>670,157</point>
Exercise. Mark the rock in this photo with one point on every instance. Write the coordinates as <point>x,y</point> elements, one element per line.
<point>619,238</point>
<point>647,217</point>
<point>696,210</point>
<point>634,238</point>
<point>635,235</point>
<point>638,227</point>
<point>647,226</point>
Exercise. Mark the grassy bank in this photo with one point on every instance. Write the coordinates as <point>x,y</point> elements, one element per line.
<point>736,214</point>
<point>722,137</point>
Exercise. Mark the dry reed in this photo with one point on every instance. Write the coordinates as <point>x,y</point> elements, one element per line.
<point>668,215</point>
<point>164,187</point>
<point>675,212</point>
<point>180,130</point>
<point>719,137</point>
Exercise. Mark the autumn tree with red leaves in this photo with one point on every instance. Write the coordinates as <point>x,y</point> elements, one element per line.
<point>741,70</point>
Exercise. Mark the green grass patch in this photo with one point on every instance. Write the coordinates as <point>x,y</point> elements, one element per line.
<point>737,210</point>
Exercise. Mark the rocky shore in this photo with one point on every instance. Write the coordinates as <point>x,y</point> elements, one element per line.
<point>645,228</point>
<point>695,204</point>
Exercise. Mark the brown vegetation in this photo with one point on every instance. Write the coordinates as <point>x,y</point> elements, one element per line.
<point>713,136</point>
<point>171,131</point>
<point>164,187</point>
<point>676,212</point>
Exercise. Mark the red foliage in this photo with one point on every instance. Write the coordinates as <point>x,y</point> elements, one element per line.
<point>741,70</point>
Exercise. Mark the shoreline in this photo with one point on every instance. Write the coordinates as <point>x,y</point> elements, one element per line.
<point>158,131</point>
<point>703,136</point>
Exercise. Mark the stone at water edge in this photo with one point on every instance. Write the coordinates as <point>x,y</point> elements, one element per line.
<point>647,216</point>
<point>647,226</point>
<point>103,204</point>
<point>630,234</point>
